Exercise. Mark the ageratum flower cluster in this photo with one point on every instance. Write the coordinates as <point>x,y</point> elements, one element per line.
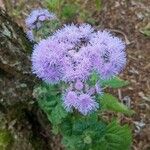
<point>71,55</point>
<point>35,20</point>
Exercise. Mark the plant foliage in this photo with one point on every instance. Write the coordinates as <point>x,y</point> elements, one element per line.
<point>109,102</point>
<point>114,83</point>
<point>85,132</point>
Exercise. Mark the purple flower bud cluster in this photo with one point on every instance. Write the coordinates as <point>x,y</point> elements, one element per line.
<point>35,20</point>
<point>71,55</point>
<point>37,16</point>
<point>84,103</point>
<point>80,98</point>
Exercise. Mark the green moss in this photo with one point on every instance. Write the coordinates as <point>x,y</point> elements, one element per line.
<point>5,140</point>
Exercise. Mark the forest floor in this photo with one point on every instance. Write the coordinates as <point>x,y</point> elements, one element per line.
<point>130,19</point>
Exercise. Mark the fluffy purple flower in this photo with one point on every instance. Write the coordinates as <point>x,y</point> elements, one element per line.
<point>91,91</point>
<point>70,99</point>
<point>74,34</point>
<point>86,104</point>
<point>47,63</point>
<point>79,85</point>
<point>93,52</point>
<point>79,69</point>
<point>80,51</point>
<point>53,53</point>
<point>37,16</point>
<point>107,54</point>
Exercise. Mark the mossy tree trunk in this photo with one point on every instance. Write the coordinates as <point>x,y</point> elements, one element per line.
<point>17,106</point>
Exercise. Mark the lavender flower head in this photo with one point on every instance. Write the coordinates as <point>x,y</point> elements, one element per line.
<point>74,34</point>
<point>37,16</point>
<point>79,85</point>
<point>52,62</point>
<point>71,55</point>
<point>91,91</point>
<point>46,63</point>
<point>74,37</point>
<point>111,56</point>
<point>86,104</point>
<point>70,99</point>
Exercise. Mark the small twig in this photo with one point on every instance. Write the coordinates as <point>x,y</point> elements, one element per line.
<point>119,94</point>
<point>125,36</point>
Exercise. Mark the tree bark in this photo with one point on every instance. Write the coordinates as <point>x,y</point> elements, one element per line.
<point>13,47</point>
<point>15,63</point>
<point>17,81</point>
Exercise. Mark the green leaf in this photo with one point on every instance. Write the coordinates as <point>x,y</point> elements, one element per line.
<point>114,83</point>
<point>47,103</point>
<point>146,30</point>
<point>57,115</point>
<point>47,96</point>
<point>87,140</point>
<point>88,127</point>
<point>66,127</point>
<point>92,117</point>
<point>93,79</point>
<point>50,102</point>
<point>51,89</point>
<point>117,137</point>
<point>83,134</point>
<point>79,127</point>
<point>55,129</point>
<point>109,102</point>
<point>73,142</point>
